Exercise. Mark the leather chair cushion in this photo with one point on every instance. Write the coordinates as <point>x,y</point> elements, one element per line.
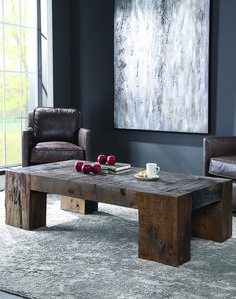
<point>53,151</point>
<point>223,167</point>
<point>56,124</point>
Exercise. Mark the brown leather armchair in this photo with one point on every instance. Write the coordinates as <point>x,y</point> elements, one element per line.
<point>219,160</point>
<point>54,134</point>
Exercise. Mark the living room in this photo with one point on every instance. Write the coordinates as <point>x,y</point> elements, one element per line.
<point>83,33</point>
<point>83,78</point>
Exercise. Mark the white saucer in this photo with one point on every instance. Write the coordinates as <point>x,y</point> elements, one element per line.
<point>138,177</point>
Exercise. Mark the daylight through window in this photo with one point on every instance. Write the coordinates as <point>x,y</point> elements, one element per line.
<point>18,74</point>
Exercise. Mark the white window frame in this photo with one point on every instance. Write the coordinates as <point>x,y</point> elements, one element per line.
<point>50,94</point>
<point>38,87</point>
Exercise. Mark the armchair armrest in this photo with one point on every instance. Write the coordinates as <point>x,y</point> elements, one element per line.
<point>84,141</point>
<point>27,143</point>
<point>216,147</point>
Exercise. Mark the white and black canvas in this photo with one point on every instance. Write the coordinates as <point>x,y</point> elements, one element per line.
<point>161,60</point>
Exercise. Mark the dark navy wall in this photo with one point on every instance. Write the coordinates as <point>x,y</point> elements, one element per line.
<point>91,88</point>
<point>61,53</point>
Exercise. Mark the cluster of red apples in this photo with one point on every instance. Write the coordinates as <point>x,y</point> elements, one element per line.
<point>96,167</point>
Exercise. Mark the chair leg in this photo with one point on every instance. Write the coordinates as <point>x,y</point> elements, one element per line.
<point>78,205</point>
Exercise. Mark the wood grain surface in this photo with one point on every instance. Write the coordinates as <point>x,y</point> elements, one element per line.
<point>170,208</point>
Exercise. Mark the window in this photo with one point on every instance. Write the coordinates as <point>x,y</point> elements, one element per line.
<point>45,59</point>
<point>24,70</point>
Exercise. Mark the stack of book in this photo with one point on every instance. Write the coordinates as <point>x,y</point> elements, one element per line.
<point>118,168</point>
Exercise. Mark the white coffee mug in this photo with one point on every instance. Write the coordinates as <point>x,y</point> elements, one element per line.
<point>152,170</point>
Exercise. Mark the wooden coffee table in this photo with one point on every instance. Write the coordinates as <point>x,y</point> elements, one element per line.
<point>171,209</point>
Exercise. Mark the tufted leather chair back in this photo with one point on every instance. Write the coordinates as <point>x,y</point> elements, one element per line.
<point>56,124</point>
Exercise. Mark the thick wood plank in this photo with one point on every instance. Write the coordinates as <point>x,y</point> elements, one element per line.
<point>92,191</point>
<point>171,183</point>
<point>78,205</point>
<point>24,208</point>
<point>13,204</point>
<point>164,229</point>
<point>37,210</point>
<point>214,222</point>
<point>206,196</point>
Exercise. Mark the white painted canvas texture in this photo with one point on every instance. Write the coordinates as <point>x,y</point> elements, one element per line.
<point>161,65</point>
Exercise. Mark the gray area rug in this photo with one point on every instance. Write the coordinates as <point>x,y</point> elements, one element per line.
<point>96,256</point>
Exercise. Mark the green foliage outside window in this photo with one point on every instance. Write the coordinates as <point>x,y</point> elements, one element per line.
<point>17,67</point>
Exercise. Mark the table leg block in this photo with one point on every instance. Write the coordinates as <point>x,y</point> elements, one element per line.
<point>214,222</point>
<point>38,209</point>
<point>165,229</point>
<point>78,205</point>
<point>23,208</point>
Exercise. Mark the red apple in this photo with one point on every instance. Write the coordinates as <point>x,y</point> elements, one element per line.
<point>86,168</point>
<point>102,159</point>
<point>111,160</point>
<point>78,165</point>
<point>96,168</point>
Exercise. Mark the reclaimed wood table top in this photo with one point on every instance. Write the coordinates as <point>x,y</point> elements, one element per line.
<point>44,177</point>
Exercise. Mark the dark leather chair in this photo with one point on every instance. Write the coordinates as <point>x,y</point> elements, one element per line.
<point>54,134</point>
<point>219,160</point>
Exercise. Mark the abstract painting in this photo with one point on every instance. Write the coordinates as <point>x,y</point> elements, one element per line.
<point>161,62</point>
